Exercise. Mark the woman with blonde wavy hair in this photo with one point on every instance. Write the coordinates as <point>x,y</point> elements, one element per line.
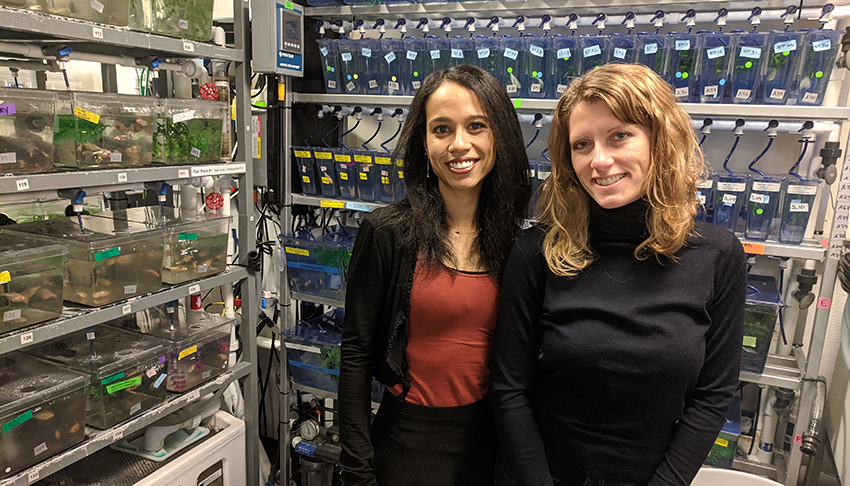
<point>620,323</point>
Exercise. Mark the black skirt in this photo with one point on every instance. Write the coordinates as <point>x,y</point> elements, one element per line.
<point>433,446</point>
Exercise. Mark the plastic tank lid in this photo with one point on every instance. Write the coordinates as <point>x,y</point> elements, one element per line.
<point>20,248</point>
<point>324,330</point>
<point>198,326</point>
<point>154,216</point>
<point>115,351</point>
<point>100,229</point>
<point>28,94</point>
<point>762,290</point>
<point>26,381</point>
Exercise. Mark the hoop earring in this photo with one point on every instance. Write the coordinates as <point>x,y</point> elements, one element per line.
<point>428,174</point>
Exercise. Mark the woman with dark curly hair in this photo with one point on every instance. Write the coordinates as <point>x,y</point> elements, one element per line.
<point>423,291</point>
<point>618,340</point>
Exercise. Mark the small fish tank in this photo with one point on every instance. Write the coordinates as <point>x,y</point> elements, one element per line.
<point>315,268</point>
<point>193,247</point>
<point>31,271</point>
<point>189,131</point>
<point>127,370</point>
<point>186,19</point>
<point>108,259</point>
<point>108,130</point>
<point>42,411</point>
<point>26,130</point>
<point>761,311</point>
<point>110,12</point>
<point>199,343</point>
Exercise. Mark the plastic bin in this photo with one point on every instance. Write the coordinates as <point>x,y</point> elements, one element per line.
<point>315,268</point>
<point>487,53</point>
<point>510,65</point>
<point>42,411</point>
<point>368,176</point>
<point>798,198</point>
<point>326,175</point>
<point>682,57</point>
<point>439,54</point>
<point>760,314</point>
<point>373,66</point>
<point>351,66</point>
<point>26,130</point>
<point>728,200</point>
<point>763,194</point>
<point>126,370</point>
<point>462,51</point>
<point>534,78</point>
<point>387,182</point>
<point>751,52</point>
<point>716,59</point>
<point>652,52</point>
<point>189,131</point>
<point>346,171</point>
<point>187,19</point>
<point>330,65</point>
<point>821,49</point>
<point>392,55</point>
<point>31,272</point>
<point>623,48</point>
<point>413,65</point>
<point>111,261</point>
<point>110,12</point>
<point>784,54</point>
<point>705,196</point>
<point>564,62</point>
<point>594,51</point>
<point>303,157</point>
<point>725,447</point>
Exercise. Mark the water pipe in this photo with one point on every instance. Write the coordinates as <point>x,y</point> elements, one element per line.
<point>380,25</point>
<point>338,123</point>
<point>470,26</point>
<point>41,65</point>
<point>320,28</point>
<point>519,23</point>
<point>771,135</point>
<point>783,127</point>
<point>776,404</point>
<point>446,25</point>
<point>493,25</point>
<point>572,23</point>
<point>807,137</point>
<point>538,123</point>
<point>546,24</point>
<point>401,113</point>
<point>738,132</point>
<point>826,15</point>
<point>401,26</point>
<point>224,184</point>
<point>423,24</point>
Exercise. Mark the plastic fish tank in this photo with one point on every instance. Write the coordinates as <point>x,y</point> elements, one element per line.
<point>387,183</point>
<point>313,350</point>
<point>728,200</point>
<point>26,130</point>
<point>821,49</point>
<point>111,12</point>
<point>31,271</point>
<point>108,259</point>
<point>751,52</point>
<point>510,68</point>
<point>108,130</point>
<point>798,202</point>
<point>199,342</point>
<point>564,63</point>
<point>487,53</point>
<point>42,411</point>
<point>194,247</point>
<point>373,66</point>
<point>368,176</point>
<point>652,51</point>
<point>705,197</point>
<point>346,170</point>
<point>398,165</point>
<point>594,52</point>
<point>330,65</point>
<point>760,314</point>
<point>303,157</point>
<point>535,79</point>
<point>725,447</point>
<point>763,196</point>
<point>351,66</point>
<point>315,268</point>
<point>41,210</point>
<point>189,131</point>
<point>413,64</point>
<point>439,54</point>
<point>785,49</point>
<point>326,177</point>
<point>392,54</point>
<point>127,370</point>
<point>187,19</point>
<point>682,59</point>
<point>462,51</point>
<point>623,48</point>
<point>716,58</point>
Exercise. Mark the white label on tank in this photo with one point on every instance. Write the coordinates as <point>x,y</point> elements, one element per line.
<point>390,57</point>
<point>767,186</point>
<point>99,7</point>
<point>619,53</point>
<point>12,315</point>
<point>510,53</point>
<point>435,54</point>
<point>650,48</point>
<point>683,45</point>
<point>536,50</point>
<point>40,448</point>
<point>417,84</point>
<point>511,88</point>
<point>331,84</point>
<point>743,94</point>
<point>203,268</point>
<point>457,54</point>
<point>366,52</point>
<point>205,374</point>
<point>350,86</point>
<point>786,46</point>
<point>682,92</point>
<point>716,52</point>
<point>729,199</point>
<point>562,88</point>
<point>373,83</point>
<point>135,408</point>
<point>483,53</point>
<point>324,51</point>
<point>799,207</point>
<point>197,420</point>
<point>802,190</point>
<point>183,116</point>
<point>346,56</point>
<point>731,186</point>
<point>708,184</point>
<point>535,88</point>
<point>777,94</point>
<point>592,51</point>
<point>751,52</point>
<point>183,24</point>
<point>115,157</point>
<point>564,54</point>
<point>701,199</point>
<point>759,198</point>
<point>393,86</point>
<point>195,152</point>
<point>130,289</point>
<point>543,174</point>
<point>411,55</point>
<point>821,45</point>
<point>8,158</point>
<point>810,98</point>
<point>711,90</point>
<point>90,336</point>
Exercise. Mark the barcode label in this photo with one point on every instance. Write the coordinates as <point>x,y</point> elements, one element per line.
<point>707,184</point>
<point>650,48</point>
<point>803,190</point>
<point>751,52</point>
<point>204,268</point>
<point>183,24</point>
<point>715,52</point>
<point>767,186</point>
<point>592,51</point>
<point>324,51</point>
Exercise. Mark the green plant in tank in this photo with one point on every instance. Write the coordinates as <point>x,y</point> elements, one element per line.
<point>175,142</point>
<point>331,358</point>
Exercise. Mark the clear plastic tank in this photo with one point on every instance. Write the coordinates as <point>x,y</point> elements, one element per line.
<point>652,51</point>
<point>189,131</point>
<point>413,64</point>
<point>368,176</point>
<point>26,130</point>
<point>535,81</point>
<point>351,64</point>
<point>821,49</point>
<point>373,65</point>
<point>307,169</point>
<point>487,53</point>
<point>716,59</point>
<point>751,53</point>
<point>728,199</point>
<point>760,314</point>
<point>386,187</point>
<point>763,196</point>
<point>511,65</point>
<point>346,171</point>
<point>797,205</point>
<point>439,54</point>
<point>785,49</point>
<point>393,54</point>
<point>623,48</point>
<point>462,51</point>
<point>564,61</point>
<point>682,59</point>
<point>594,51</point>
<point>330,65</point>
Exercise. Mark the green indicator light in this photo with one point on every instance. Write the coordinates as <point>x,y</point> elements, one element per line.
<point>786,53</point>
<point>329,68</point>
<point>748,64</point>
<point>416,73</point>
<point>819,74</point>
<point>510,69</point>
<point>684,75</point>
<point>534,74</point>
<point>759,211</point>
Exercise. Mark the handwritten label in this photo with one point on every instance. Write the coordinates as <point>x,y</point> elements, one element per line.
<point>373,83</point>
<point>536,51</point>
<point>731,186</point>
<point>682,92</point>
<point>722,442</point>
<point>97,6</point>
<point>786,46</point>
<point>810,98</point>
<point>798,439</point>
<point>715,52</point>
<point>26,338</point>
<point>8,158</point>
<point>824,303</point>
<point>619,53</point>
<point>183,116</point>
<point>592,51</point>
<point>711,90</point>
<point>511,88</point>
<point>751,52</point>
<point>535,88</point>
<point>7,109</point>
<point>411,55</point>
<point>821,45</point>
<point>324,51</point>
<point>743,94</point>
<point>390,57</point>
<point>188,47</point>
<point>364,176</point>
<point>799,207</point>
<point>117,435</point>
<point>759,198</point>
<point>115,157</point>
<point>753,248</point>
<point>564,54</point>
<point>194,289</point>
<point>435,54</point>
<point>126,309</point>
<point>777,94</point>
<point>296,251</point>
<point>324,155</point>
<point>366,52</point>
<point>183,24</point>
<point>12,315</point>
<point>187,352</point>
<point>729,199</point>
<point>393,86</point>
<point>86,115</point>
<point>203,268</point>
<point>562,88</point>
<point>331,204</point>
<point>683,45</point>
<point>90,335</point>
<point>511,54</point>
<point>331,84</point>
<point>457,54</point>
<point>651,48</point>
<point>802,190</point>
<point>483,53</point>
<point>346,56</point>
<point>130,289</point>
<point>122,177</point>
<point>103,255</point>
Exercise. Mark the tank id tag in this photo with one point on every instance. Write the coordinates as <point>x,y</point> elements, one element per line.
<point>7,109</point>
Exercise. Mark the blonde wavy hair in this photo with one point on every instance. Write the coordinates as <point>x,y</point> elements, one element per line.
<point>635,94</point>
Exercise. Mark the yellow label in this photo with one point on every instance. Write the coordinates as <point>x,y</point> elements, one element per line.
<point>382,160</point>
<point>302,154</point>
<point>281,90</point>
<point>297,251</point>
<point>364,176</point>
<point>399,162</point>
<point>342,158</point>
<point>401,174</point>
<point>326,180</point>
<point>722,442</point>
<point>385,180</point>
<point>332,204</point>
<point>5,277</point>
<point>86,115</point>
<point>365,159</point>
<point>187,352</point>
<point>750,341</point>
<point>305,179</point>
<point>323,155</point>
<point>343,176</point>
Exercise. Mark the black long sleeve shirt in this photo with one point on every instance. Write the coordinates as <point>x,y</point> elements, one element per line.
<point>623,372</point>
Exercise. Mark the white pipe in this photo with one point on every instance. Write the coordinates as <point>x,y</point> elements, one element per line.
<point>785,127</point>
<point>227,290</point>
<point>51,66</point>
<point>765,399</point>
<point>764,454</point>
<point>189,201</point>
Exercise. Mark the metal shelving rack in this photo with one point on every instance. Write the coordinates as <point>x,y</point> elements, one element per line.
<point>97,38</point>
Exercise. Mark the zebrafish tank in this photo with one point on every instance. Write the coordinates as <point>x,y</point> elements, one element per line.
<point>42,411</point>
<point>127,370</point>
<point>108,259</point>
<point>187,19</point>
<point>111,12</point>
<point>26,130</point>
<point>189,131</point>
<point>31,274</point>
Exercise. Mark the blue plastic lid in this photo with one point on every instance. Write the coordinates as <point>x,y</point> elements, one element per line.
<point>763,290</point>
<point>704,31</point>
<point>732,424</point>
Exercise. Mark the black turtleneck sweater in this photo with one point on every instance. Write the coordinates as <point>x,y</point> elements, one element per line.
<point>623,372</point>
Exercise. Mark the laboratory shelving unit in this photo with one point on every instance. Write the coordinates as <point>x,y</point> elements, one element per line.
<point>94,38</point>
<point>797,372</point>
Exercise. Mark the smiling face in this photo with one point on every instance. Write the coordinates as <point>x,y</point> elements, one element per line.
<point>458,139</point>
<point>610,157</point>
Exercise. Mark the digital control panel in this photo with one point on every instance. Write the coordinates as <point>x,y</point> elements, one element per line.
<point>278,38</point>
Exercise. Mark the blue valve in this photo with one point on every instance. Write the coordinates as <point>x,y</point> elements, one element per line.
<point>400,23</point>
<point>519,20</point>
<point>422,21</point>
